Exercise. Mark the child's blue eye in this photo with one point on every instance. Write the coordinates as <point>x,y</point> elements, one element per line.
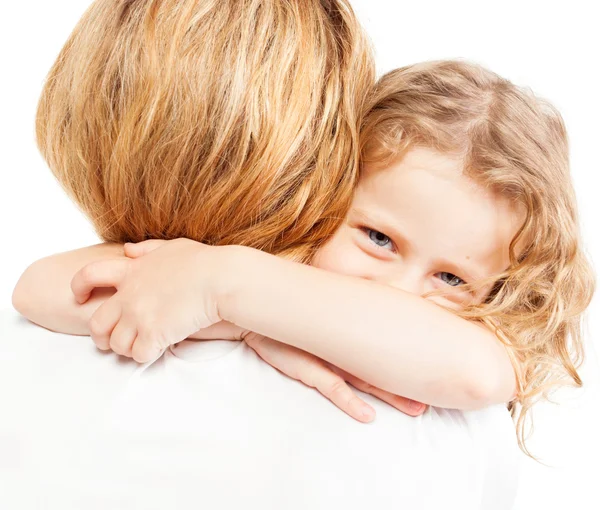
<point>452,280</point>
<point>378,238</point>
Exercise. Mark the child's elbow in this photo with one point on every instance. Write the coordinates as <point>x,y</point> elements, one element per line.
<point>480,393</point>
<point>27,291</point>
<point>490,388</point>
<point>491,375</point>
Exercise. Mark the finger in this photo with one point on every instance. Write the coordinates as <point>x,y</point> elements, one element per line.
<point>277,354</point>
<point>143,351</point>
<point>134,250</point>
<point>101,273</point>
<point>406,405</point>
<point>332,386</point>
<point>103,321</point>
<point>122,337</point>
<point>311,371</point>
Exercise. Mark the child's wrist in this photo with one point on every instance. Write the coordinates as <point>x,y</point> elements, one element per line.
<point>233,263</point>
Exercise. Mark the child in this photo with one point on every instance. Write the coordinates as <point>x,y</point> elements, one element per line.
<point>466,196</point>
<point>431,127</point>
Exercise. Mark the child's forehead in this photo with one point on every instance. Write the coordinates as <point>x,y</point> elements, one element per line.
<point>419,156</point>
<point>427,198</point>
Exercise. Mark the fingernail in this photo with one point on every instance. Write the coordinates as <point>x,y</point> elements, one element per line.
<point>362,410</point>
<point>368,414</point>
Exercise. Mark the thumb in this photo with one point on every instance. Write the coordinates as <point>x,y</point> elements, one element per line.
<point>135,250</point>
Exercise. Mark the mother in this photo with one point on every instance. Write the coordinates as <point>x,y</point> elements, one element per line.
<point>230,123</point>
<point>227,123</point>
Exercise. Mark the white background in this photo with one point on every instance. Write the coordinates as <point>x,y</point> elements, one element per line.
<point>552,47</point>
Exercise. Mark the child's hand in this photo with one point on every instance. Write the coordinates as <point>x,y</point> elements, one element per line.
<point>161,298</point>
<point>327,379</point>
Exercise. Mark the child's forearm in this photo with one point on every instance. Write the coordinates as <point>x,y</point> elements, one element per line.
<point>391,339</point>
<point>43,293</point>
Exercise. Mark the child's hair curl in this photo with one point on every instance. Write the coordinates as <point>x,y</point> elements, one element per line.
<point>224,121</point>
<point>515,145</point>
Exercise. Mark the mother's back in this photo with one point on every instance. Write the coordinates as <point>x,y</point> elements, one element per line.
<point>210,424</point>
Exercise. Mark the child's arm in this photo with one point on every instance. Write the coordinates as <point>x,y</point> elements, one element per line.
<point>43,293</point>
<point>394,340</point>
<point>388,338</point>
<point>398,342</point>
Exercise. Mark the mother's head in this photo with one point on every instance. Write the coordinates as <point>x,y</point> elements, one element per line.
<point>223,121</point>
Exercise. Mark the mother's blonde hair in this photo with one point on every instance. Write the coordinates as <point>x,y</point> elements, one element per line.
<point>228,122</point>
<point>515,145</point>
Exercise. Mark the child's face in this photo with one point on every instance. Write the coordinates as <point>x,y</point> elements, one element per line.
<point>421,225</point>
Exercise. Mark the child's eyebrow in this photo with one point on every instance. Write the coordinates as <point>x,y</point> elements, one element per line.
<point>471,271</point>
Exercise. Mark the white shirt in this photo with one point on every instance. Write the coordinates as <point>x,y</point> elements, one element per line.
<point>211,425</point>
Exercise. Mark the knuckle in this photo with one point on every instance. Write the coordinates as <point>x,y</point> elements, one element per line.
<point>257,341</point>
<point>95,326</point>
<point>338,387</point>
<point>88,272</point>
<point>143,330</point>
<point>306,374</point>
<point>136,309</point>
<point>116,346</point>
<point>144,336</point>
<point>354,401</point>
<point>139,355</point>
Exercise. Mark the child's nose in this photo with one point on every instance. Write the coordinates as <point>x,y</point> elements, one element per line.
<point>407,280</point>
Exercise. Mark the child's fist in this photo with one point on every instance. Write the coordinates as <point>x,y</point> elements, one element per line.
<point>162,297</point>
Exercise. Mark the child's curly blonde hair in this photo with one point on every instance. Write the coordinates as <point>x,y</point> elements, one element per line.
<point>515,145</point>
<point>227,122</point>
